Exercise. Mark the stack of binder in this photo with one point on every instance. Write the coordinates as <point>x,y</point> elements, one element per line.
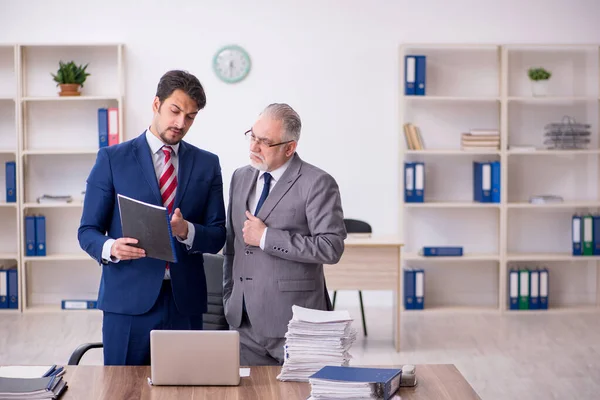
<point>316,339</point>
<point>585,234</point>
<point>35,235</point>
<point>414,289</point>
<point>486,182</point>
<point>415,75</point>
<point>480,139</point>
<point>354,383</point>
<point>108,126</point>
<point>414,182</point>
<point>9,288</point>
<point>11,181</point>
<point>528,289</point>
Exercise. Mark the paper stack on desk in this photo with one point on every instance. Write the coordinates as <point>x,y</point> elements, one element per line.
<point>316,339</point>
<point>22,382</point>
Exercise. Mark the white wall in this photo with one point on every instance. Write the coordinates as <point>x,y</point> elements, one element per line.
<point>335,62</point>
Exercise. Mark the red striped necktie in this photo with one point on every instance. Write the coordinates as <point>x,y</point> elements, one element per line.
<point>168,182</point>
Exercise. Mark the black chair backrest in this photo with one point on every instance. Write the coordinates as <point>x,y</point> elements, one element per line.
<point>214,318</point>
<point>357,226</point>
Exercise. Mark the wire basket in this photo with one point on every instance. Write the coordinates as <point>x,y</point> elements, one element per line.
<point>567,135</point>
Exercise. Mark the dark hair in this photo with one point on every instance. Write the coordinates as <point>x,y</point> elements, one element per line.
<point>177,79</point>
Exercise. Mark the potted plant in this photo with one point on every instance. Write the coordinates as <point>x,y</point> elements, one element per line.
<point>539,80</point>
<point>70,77</point>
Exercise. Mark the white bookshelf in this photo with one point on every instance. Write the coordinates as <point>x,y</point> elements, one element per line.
<point>486,86</point>
<point>57,147</point>
<point>9,139</point>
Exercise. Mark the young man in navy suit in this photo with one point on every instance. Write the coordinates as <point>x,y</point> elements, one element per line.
<point>138,294</point>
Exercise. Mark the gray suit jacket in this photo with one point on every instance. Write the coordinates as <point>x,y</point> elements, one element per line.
<point>305,221</point>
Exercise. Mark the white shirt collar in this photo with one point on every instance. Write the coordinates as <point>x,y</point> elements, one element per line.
<point>277,173</point>
<point>156,144</point>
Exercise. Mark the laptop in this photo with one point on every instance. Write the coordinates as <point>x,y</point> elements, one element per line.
<point>197,358</point>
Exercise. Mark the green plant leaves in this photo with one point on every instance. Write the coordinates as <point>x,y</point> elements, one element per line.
<point>538,74</point>
<point>70,73</point>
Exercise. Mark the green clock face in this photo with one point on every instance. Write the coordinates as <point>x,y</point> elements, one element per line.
<point>231,64</point>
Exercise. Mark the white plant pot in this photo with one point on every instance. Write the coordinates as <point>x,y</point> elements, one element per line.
<point>539,88</point>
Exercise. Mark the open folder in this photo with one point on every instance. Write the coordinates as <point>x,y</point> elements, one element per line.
<point>150,225</point>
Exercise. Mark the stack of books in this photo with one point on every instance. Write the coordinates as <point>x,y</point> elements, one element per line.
<point>480,139</point>
<point>18,382</point>
<point>316,339</point>
<point>414,140</point>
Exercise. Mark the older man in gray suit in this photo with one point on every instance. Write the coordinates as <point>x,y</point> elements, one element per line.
<point>284,221</point>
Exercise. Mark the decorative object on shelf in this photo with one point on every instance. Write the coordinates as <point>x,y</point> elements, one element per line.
<point>567,135</point>
<point>546,199</point>
<point>70,77</point>
<point>539,80</point>
<point>47,198</point>
<point>231,64</point>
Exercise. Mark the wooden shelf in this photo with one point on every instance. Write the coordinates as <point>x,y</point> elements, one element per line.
<point>9,310</point>
<point>557,310</point>
<point>55,308</point>
<point>8,205</point>
<point>452,204</point>
<point>486,86</point>
<point>552,152</point>
<point>452,152</point>
<point>564,205</point>
<point>47,152</point>
<point>549,257</point>
<point>474,99</point>
<point>465,257</point>
<point>73,204</point>
<point>552,99</point>
<point>452,310</point>
<point>70,98</point>
<point>60,257</point>
<point>9,256</point>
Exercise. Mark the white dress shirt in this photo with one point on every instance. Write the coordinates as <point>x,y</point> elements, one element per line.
<point>255,195</point>
<point>158,160</point>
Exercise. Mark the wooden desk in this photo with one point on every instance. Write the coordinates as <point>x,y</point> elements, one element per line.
<point>370,264</point>
<point>440,382</point>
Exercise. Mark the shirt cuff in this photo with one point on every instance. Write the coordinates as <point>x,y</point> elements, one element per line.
<point>106,257</point>
<point>190,237</point>
<point>262,239</point>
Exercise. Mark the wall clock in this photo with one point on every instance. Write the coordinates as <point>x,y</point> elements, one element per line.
<point>231,64</point>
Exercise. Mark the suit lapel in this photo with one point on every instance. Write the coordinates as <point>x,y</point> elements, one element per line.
<point>142,154</point>
<point>248,184</point>
<point>291,174</point>
<point>186,166</point>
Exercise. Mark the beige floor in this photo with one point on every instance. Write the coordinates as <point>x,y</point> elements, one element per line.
<point>524,356</point>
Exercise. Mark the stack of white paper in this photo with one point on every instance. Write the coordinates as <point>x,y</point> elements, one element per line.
<point>316,339</point>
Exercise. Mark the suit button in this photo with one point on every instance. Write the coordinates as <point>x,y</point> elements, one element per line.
<point>274,247</point>
<point>247,252</point>
<point>241,279</point>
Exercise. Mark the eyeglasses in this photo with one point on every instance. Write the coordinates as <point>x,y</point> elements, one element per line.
<point>261,141</point>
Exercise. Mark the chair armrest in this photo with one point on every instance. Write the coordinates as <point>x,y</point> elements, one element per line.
<point>80,351</point>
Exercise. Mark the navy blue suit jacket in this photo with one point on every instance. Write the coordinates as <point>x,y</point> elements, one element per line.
<point>132,286</point>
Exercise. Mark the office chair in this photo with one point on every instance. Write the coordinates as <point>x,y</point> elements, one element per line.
<point>213,319</point>
<point>356,226</point>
